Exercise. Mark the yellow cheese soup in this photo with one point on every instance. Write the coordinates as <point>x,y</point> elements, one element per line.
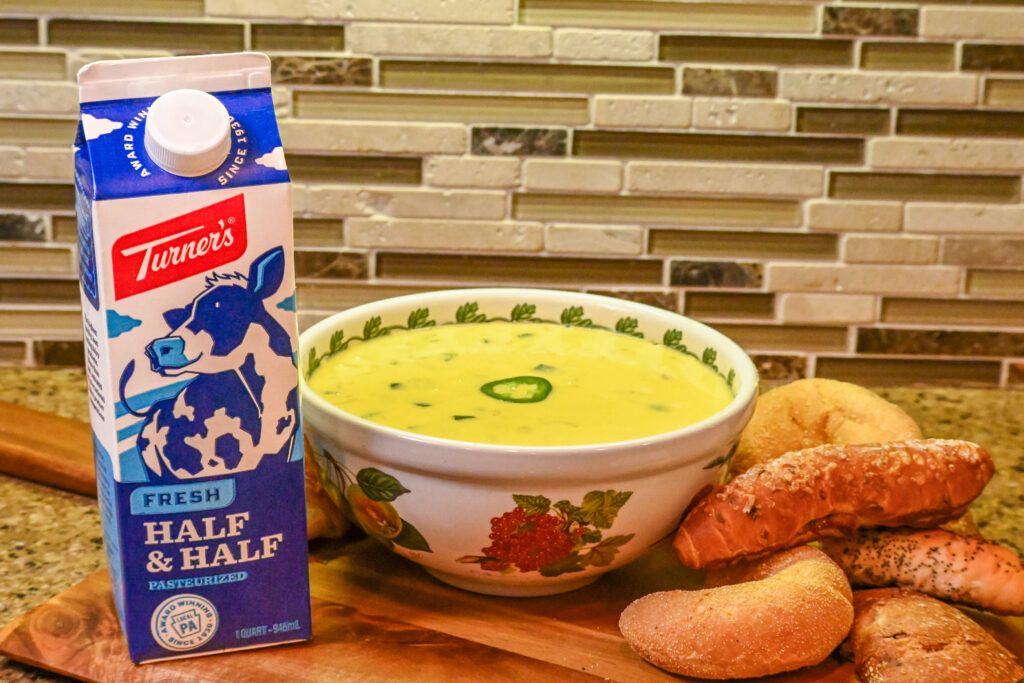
<point>530,384</point>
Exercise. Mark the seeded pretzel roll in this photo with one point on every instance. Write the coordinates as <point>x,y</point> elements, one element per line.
<point>812,412</point>
<point>968,570</point>
<point>900,636</point>
<point>830,491</point>
<point>786,612</point>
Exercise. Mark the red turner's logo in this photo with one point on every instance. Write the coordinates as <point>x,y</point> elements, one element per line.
<point>195,242</point>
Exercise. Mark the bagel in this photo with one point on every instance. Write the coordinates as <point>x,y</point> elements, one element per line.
<point>788,611</point>
<point>813,412</point>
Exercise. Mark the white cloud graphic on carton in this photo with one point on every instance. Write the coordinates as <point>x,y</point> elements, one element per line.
<point>94,127</point>
<point>273,159</point>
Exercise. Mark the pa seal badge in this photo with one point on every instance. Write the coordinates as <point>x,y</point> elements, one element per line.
<point>184,622</point>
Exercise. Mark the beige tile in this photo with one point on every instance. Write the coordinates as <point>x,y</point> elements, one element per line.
<point>941,218</point>
<point>39,320</point>
<point>815,85</point>
<point>388,138</point>
<point>863,279</point>
<point>874,372</point>
<point>338,200</point>
<point>436,40</point>
<point>443,171</point>
<point>448,235</point>
<point>865,216</point>
<point>49,163</point>
<point>747,244</point>
<point>572,176</point>
<point>701,211</point>
<point>985,251</point>
<point>277,9</point>
<point>946,153</point>
<point>732,114</point>
<point>989,23</point>
<point>825,309</point>
<point>605,45</point>
<point>902,250</point>
<point>641,112</point>
<point>772,180</point>
<point>690,16</point>
<point>12,162</point>
<point>625,240</point>
<point>28,97</point>
<point>441,11</point>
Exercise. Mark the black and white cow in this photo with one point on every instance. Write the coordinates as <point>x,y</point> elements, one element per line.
<point>242,405</point>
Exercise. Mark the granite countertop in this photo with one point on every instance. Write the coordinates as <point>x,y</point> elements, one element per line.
<point>53,539</point>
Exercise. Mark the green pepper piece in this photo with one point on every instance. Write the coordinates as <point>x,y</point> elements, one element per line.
<point>522,389</point>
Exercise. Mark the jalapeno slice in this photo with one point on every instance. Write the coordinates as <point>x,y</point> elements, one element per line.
<point>522,389</point>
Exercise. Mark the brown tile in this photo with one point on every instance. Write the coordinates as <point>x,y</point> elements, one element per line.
<point>1004,92</point>
<point>989,252</point>
<point>298,69</point>
<point>12,352</point>
<point>24,64</point>
<point>355,169</point>
<point>323,232</point>
<point>898,56</point>
<point>810,338</point>
<point>667,300</point>
<point>985,57</point>
<point>656,210</point>
<point>58,353</point>
<point>719,147</point>
<point>696,16</point>
<point>1015,374</point>
<point>729,82</point>
<point>381,106</point>
<point>285,37</point>
<point>869,21</point>
<point>726,305</point>
<point>960,123</point>
<point>835,121</point>
<point>908,372</point>
<point>157,8</point>
<point>41,131</point>
<point>174,36</point>
<point>338,295</point>
<point>527,77</point>
<point>744,244</point>
<point>779,369</point>
<point>330,264</point>
<point>19,31</point>
<point>965,312</point>
<point>924,186</point>
<point>37,290</point>
<point>488,270</point>
<point>64,322</point>
<point>716,274</point>
<point>35,196</point>
<point>519,141</point>
<point>65,228</point>
<point>755,50</point>
<point>996,284</point>
<point>908,342</point>
<point>22,227</point>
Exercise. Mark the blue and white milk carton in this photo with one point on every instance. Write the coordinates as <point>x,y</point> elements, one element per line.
<point>188,298</point>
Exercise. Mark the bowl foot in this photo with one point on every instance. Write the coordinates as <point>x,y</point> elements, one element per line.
<point>529,590</point>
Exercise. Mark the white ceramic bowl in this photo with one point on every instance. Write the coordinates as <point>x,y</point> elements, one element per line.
<point>439,496</point>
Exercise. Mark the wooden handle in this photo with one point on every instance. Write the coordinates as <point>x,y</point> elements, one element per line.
<point>46,448</point>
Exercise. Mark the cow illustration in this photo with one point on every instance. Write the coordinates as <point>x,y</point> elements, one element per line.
<point>242,404</point>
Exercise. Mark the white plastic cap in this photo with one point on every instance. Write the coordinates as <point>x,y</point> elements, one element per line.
<point>188,132</point>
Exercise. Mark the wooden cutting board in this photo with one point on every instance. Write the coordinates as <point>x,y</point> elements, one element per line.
<point>46,448</point>
<point>378,617</point>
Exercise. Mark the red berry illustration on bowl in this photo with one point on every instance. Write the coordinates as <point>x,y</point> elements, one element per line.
<point>538,536</point>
